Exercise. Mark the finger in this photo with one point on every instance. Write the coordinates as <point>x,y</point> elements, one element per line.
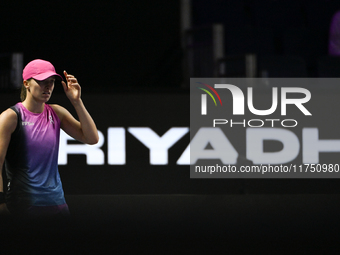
<point>74,87</point>
<point>68,76</point>
<point>72,79</point>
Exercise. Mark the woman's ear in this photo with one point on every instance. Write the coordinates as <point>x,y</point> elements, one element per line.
<point>26,84</point>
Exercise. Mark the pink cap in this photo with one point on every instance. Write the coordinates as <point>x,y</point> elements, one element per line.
<point>39,69</point>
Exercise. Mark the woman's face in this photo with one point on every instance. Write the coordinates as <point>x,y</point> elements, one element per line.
<point>41,90</point>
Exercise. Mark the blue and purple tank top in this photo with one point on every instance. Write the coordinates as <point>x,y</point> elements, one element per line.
<point>32,160</point>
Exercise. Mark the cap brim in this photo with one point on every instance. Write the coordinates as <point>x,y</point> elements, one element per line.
<point>43,76</point>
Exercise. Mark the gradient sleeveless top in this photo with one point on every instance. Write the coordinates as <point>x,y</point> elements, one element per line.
<point>32,160</point>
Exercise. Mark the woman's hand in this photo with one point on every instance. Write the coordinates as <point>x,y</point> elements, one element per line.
<point>72,88</point>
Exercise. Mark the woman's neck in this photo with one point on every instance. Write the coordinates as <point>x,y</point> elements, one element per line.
<point>32,106</point>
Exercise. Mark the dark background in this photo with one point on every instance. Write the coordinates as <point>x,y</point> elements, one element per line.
<point>107,44</point>
<point>134,48</point>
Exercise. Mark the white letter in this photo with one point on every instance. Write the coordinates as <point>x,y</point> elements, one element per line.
<point>297,101</point>
<point>238,97</point>
<point>116,146</point>
<point>94,155</point>
<point>242,123</point>
<point>184,159</point>
<point>255,138</point>
<point>262,123</point>
<point>272,120</point>
<point>158,145</point>
<point>289,120</point>
<point>222,121</point>
<point>222,148</point>
<point>204,104</point>
<point>312,145</point>
<point>262,112</point>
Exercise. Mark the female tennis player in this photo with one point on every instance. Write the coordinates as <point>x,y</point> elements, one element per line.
<point>29,142</point>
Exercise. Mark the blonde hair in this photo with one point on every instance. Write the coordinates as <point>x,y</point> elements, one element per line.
<point>23,93</point>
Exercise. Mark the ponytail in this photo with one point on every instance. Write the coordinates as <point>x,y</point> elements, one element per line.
<point>23,93</point>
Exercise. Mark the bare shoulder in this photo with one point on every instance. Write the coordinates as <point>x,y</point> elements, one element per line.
<point>59,110</point>
<point>56,107</point>
<point>8,120</point>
